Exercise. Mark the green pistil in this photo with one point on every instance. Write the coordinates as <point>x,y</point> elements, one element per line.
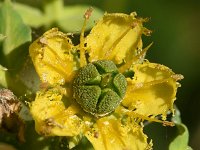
<point>99,87</point>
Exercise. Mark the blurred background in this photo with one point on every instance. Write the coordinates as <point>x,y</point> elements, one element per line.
<point>176,37</point>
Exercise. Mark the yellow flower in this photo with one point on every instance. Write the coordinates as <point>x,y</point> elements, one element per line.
<point>143,91</point>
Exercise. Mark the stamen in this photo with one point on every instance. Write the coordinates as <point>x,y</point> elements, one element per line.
<point>88,13</point>
<point>143,52</point>
<point>142,117</point>
<point>83,61</point>
<point>135,58</point>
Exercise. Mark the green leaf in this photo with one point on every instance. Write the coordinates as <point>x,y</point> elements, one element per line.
<point>30,15</point>
<point>53,11</point>
<point>8,80</point>
<point>12,26</point>
<point>69,18</point>
<point>2,37</point>
<point>13,48</point>
<point>28,76</point>
<point>177,117</point>
<point>181,141</point>
<point>3,82</point>
<point>72,17</point>
<point>189,148</point>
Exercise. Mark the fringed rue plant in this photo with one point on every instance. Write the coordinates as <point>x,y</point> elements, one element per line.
<point>102,89</point>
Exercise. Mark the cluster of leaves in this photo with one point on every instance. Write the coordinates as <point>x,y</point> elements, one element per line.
<point>17,73</point>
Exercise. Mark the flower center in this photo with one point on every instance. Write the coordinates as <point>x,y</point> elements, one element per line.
<point>99,87</point>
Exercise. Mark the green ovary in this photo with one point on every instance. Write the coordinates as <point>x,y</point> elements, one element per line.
<point>99,87</point>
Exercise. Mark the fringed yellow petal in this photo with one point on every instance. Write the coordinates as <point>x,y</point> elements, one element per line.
<point>152,91</point>
<point>51,116</point>
<point>111,134</point>
<point>115,37</point>
<point>52,58</point>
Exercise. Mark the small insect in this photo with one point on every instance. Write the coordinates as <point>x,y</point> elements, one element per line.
<point>99,87</point>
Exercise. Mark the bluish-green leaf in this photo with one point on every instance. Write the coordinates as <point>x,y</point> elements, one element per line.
<point>2,37</point>
<point>29,77</point>
<point>180,142</point>
<point>177,117</point>
<point>12,48</point>
<point>30,15</point>
<point>72,17</point>
<point>12,26</point>
<point>69,18</point>
<point>3,82</point>
<point>53,11</point>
